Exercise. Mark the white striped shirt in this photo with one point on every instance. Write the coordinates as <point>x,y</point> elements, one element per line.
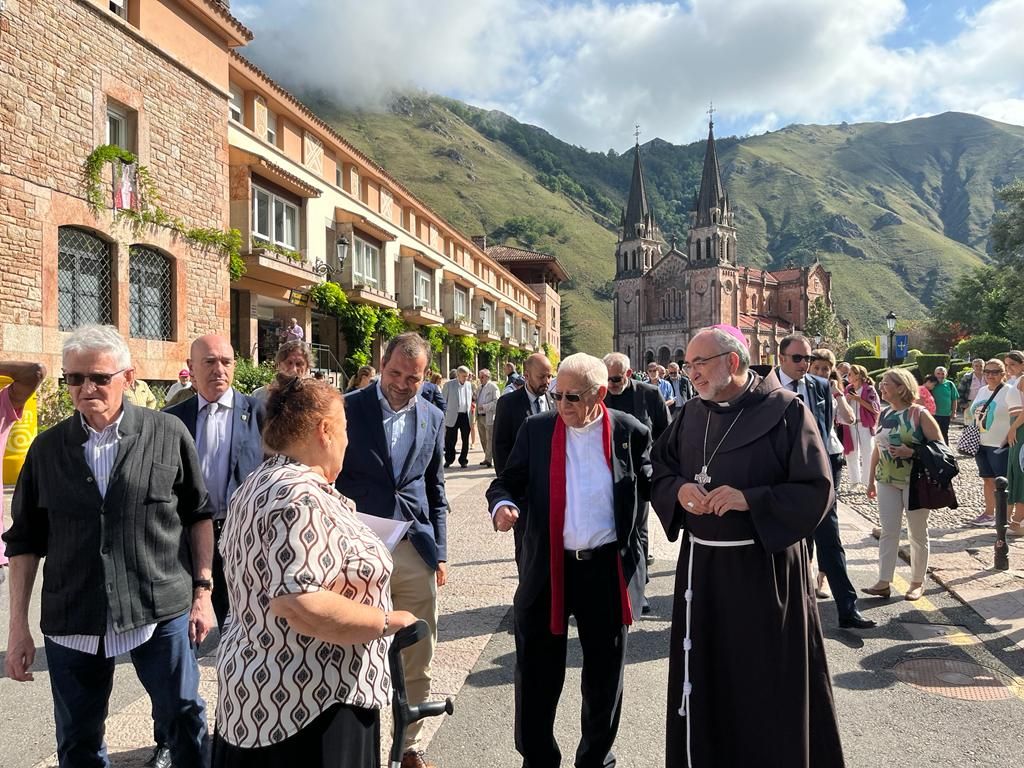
<point>100,454</point>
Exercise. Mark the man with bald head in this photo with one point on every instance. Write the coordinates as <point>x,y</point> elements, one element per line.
<point>515,406</point>
<point>226,426</point>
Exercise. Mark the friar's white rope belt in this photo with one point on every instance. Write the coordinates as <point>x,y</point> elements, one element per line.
<point>684,705</point>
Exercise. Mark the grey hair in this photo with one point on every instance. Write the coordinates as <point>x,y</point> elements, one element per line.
<point>484,371</point>
<point>464,369</point>
<point>730,343</point>
<point>99,339</point>
<point>617,359</point>
<point>941,368</point>
<point>590,369</point>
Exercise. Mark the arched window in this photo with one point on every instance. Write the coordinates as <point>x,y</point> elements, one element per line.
<point>698,248</point>
<point>664,308</point>
<point>149,298</point>
<point>679,356</point>
<point>648,357</point>
<point>663,358</point>
<point>634,258</point>
<point>83,279</point>
<point>707,246</point>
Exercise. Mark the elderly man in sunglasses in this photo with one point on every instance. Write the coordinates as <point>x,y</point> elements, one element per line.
<point>573,488</point>
<point>113,498</point>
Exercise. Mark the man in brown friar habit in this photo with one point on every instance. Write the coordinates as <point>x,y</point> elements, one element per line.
<point>573,487</point>
<point>744,474</point>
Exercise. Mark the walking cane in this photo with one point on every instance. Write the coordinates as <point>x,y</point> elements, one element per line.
<point>402,712</point>
<point>1002,554</point>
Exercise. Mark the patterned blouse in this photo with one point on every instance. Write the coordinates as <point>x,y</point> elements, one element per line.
<point>897,428</point>
<point>288,531</point>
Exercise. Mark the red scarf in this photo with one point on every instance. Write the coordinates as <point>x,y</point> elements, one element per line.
<point>557,525</point>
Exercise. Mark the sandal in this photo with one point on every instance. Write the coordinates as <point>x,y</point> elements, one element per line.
<point>877,591</point>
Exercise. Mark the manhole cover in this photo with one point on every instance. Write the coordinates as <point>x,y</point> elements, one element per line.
<point>956,679</point>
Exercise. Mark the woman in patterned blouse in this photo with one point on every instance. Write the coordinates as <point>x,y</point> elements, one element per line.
<point>302,669</point>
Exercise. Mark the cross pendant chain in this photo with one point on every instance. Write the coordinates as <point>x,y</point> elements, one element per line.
<point>703,477</point>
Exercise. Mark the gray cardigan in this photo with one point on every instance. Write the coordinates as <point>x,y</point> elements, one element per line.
<point>127,553</point>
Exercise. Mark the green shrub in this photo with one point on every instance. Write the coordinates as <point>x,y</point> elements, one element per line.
<point>53,403</point>
<point>984,345</point>
<point>862,348</point>
<point>249,376</point>
<point>912,355</point>
<point>927,364</point>
<point>871,362</point>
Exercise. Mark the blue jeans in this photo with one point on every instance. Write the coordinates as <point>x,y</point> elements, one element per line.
<point>166,666</point>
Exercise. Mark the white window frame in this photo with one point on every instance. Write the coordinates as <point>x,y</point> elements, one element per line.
<point>338,181</point>
<point>488,315</point>
<point>423,287</point>
<point>460,302</point>
<point>271,128</point>
<point>508,325</point>
<point>117,122</point>
<point>119,8</point>
<point>236,103</point>
<point>365,263</point>
<point>284,233</point>
<point>523,331</point>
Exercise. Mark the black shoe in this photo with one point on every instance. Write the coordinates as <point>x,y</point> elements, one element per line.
<point>856,620</point>
<point>447,464</point>
<point>645,610</point>
<point>650,560</point>
<point>485,463</point>
<point>463,464</point>
<point>161,758</point>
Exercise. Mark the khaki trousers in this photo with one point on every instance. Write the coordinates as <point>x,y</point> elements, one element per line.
<point>484,430</point>
<point>893,503</point>
<point>414,589</point>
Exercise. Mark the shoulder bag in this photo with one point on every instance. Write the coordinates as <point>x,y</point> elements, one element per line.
<point>970,438</point>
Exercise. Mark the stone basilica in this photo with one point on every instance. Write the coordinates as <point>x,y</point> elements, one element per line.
<point>664,294</point>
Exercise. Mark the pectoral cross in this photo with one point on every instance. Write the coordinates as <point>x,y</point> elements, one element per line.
<point>702,477</point>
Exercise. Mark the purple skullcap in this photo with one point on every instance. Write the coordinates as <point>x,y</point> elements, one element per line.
<point>733,331</point>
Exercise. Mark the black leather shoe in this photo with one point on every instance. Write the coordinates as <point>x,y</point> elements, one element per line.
<point>856,620</point>
<point>161,758</point>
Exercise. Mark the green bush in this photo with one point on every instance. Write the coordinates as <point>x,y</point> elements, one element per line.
<point>912,355</point>
<point>249,376</point>
<point>927,364</point>
<point>984,345</point>
<point>956,370</point>
<point>862,348</point>
<point>871,362</point>
<point>53,403</point>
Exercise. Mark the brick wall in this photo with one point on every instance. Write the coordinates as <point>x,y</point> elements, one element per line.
<point>63,60</point>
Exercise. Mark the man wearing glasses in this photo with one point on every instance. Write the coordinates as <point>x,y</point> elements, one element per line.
<point>655,374</point>
<point>113,498</point>
<point>743,474</point>
<point>682,390</point>
<point>572,489</point>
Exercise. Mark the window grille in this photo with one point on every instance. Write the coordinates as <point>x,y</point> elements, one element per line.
<point>84,293</point>
<point>149,301</point>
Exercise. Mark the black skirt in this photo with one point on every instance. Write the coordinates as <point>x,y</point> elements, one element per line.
<point>342,737</point>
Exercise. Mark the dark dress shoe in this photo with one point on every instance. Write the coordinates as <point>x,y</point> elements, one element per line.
<point>856,620</point>
<point>161,758</point>
<point>463,464</point>
<point>447,464</point>
<point>415,760</point>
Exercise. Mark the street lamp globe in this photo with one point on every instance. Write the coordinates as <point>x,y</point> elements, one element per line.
<point>817,340</point>
<point>890,321</point>
<point>341,249</point>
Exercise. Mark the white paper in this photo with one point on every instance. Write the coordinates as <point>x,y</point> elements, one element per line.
<point>388,531</point>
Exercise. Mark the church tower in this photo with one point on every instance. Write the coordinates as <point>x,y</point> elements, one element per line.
<point>640,246</point>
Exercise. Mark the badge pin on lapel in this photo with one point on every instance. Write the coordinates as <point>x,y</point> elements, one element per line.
<point>625,446</point>
<point>245,417</point>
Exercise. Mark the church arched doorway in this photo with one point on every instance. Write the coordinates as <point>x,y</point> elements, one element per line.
<point>663,358</point>
<point>679,356</point>
<point>648,357</point>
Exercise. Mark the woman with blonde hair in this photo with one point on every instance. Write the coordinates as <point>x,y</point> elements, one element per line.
<point>902,426</point>
<point>863,398</point>
<point>363,378</point>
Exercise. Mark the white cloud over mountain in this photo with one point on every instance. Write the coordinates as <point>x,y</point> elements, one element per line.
<point>587,71</point>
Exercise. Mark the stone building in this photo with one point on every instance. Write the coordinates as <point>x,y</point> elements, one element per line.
<point>152,78</point>
<point>664,293</point>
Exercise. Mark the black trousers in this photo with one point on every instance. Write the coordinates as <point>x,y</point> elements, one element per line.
<point>451,434</point>
<point>592,596</point>
<point>944,426</point>
<point>830,553</point>
<point>341,737</point>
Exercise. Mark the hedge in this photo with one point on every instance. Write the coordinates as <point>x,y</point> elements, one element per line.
<point>927,364</point>
<point>871,362</point>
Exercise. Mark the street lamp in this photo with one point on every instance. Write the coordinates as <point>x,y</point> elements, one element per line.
<point>890,323</point>
<point>817,340</point>
<point>536,338</point>
<point>484,325</point>
<point>341,249</point>
<point>766,351</point>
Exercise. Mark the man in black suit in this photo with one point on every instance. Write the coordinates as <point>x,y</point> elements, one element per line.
<point>573,487</point>
<point>794,360</point>
<point>431,393</point>
<point>515,406</point>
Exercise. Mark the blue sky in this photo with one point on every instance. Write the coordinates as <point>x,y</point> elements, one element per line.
<point>589,70</point>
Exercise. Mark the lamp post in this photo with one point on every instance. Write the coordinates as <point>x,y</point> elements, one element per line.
<point>890,323</point>
<point>484,326</point>
<point>817,340</point>
<point>341,251</point>
<point>341,248</point>
<point>766,352</point>
<point>536,339</point>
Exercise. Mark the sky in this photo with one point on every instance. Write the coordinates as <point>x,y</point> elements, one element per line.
<point>588,72</point>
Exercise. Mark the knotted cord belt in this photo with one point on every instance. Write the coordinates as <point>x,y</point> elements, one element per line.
<point>684,705</point>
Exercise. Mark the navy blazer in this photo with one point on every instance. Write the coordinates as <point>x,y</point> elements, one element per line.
<point>368,479</point>
<point>246,435</point>
<point>819,400</point>
<point>430,392</point>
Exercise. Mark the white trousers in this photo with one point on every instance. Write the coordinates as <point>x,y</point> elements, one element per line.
<point>858,461</point>
<point>892,504</point>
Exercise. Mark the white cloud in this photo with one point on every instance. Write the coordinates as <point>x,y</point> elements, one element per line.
<point>587,70</point>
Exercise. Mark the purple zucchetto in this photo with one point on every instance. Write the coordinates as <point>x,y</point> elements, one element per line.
<point>733,331</point>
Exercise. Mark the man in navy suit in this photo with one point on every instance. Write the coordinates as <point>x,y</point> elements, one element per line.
<point>393,469</point>
<point>430,392</point>
<point>794,360</point>
<point>226,426</point>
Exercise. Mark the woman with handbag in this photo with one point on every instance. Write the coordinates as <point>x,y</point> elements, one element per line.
<point>990,416</point>
<point>863,398</point>
<point>901,426</point>
<point>1014,361</point>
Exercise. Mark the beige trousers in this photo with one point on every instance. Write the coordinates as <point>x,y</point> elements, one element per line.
<point>893,501</point>
<point>414,589</point>
<point>484,430</point>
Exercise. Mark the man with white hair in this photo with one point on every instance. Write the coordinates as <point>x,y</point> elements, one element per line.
<point>486,405</point>
<point>113,498</point>
<point>572,489</point>
<point>458,398</point>
<point>743,473</point>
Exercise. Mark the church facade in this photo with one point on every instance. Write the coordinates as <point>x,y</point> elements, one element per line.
<point>664,292</point>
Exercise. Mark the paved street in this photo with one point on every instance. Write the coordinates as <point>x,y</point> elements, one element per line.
<point>880,715</point>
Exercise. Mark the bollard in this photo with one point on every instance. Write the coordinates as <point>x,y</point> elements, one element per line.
<point>1002,554</point>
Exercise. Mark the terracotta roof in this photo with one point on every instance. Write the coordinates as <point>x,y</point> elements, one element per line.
<point>306,112</point>
<point>282,176</point>
<point>510,254</point>
<point>220,10</point>
<point>787,274</point>
<point>766,321</point>
<point>755,274</point>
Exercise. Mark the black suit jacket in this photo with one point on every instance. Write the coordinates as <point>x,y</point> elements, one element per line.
<point>432,394</point>
<point>509,415</point>
<point>644,403</point>
<point>525,481</point>
<point>819,400</point>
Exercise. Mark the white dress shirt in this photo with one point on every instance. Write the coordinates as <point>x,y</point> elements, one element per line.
<point>589,506</point>
<point>399,430</point>
<point>213,443</point>
<point>538,403</point>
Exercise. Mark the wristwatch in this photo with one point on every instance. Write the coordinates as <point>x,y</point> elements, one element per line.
<point>202,584</point>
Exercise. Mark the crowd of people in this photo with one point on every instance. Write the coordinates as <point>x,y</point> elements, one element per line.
<point>244,512</point>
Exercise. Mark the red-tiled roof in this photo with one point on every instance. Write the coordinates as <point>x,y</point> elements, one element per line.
<point>510,254</point>
<point>765,321</point>
<point>220,10</point>
<point>784,275</point>
<point>755,274</point>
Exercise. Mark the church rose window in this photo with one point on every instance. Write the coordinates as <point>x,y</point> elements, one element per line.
<point>83,279</point>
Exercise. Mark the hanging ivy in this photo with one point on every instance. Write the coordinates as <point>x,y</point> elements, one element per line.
<point>328,298</point>
<point>390,324</point>
<point>228,242</point>
<point>463,349</point>
<point>358,323</point>
<point>515,356</point>
<point>552,354</point>
<point>492,351</point>
<point>436,336</point>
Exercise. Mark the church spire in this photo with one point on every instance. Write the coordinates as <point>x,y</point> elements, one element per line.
<point>638,220</point>
<point>712,193</point>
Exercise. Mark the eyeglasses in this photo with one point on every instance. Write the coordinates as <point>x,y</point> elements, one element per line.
<point>700,362</point>
<point>801,358</point>
<point>572,397</point>
<point>616,379</point>
<point>99,379</point>
<point>992,372</point>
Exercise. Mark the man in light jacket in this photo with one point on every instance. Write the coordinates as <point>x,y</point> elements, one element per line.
<point>486,405</point>
<point>458,398</point>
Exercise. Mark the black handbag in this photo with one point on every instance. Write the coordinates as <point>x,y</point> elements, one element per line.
<point>931,477</point>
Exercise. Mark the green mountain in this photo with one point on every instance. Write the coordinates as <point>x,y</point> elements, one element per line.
<point>895,211</point>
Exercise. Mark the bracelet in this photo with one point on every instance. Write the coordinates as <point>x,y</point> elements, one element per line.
<point>202,584</point>
<point>387,622</point>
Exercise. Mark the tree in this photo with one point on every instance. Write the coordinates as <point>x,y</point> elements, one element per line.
<point>984,345</point>
<point>821,319</point>
<point>862,348</point>
<point>568,331</point>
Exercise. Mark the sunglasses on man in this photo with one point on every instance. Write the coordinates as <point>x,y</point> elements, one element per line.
<point>801,358</point>
<point>572,397</point>
<point>99,379</point>
<point>616,379</point>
